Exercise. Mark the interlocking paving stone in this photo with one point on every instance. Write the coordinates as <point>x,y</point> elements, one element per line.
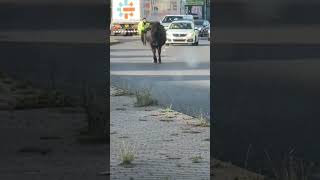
<point>162,150</point>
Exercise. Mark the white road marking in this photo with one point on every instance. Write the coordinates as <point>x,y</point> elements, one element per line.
<point>162,73</point>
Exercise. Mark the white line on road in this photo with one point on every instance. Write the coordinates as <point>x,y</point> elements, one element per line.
<point>163,73</point>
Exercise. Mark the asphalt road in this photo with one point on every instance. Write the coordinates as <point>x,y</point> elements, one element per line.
<point>183,78</point>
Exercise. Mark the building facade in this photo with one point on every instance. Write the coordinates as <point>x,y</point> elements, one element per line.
<point>200,8</point>
<point>154,10</point>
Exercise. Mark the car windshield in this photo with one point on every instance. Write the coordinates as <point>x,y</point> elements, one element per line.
<point>181,25</point>
<point>170,19</point>
<point>198,23</point>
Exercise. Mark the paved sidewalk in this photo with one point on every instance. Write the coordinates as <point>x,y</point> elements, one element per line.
<point>164,149</point>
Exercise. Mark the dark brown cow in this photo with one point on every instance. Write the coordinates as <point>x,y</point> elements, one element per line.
<point>156,37</point>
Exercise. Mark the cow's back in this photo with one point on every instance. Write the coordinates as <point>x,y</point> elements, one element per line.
<point>157,33</point>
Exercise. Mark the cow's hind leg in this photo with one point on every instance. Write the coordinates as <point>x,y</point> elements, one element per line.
<point>154,54</point>
<point>159,54</point>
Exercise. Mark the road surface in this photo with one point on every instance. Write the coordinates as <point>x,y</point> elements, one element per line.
<point>181,80</point>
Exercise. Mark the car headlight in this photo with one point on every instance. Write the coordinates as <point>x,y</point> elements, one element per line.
<point>191,34</point>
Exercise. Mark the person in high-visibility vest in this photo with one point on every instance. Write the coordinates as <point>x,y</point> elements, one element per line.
<point>142,29</point>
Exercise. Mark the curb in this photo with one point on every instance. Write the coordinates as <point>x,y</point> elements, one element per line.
<point>114,43</point>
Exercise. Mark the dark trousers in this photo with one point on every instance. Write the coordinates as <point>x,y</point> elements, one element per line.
<point>143,37</point>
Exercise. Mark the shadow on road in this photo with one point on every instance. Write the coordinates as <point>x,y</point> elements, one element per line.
<point>189,45</point>
<point>128,50</point>
<point>157,78</point>
<point>133,56</point>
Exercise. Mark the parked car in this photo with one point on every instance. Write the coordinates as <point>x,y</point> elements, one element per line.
<point>195,16</point>
<point>209,34</point>
<point>168,19</point>
<point>182,32</point>
<point>202,26</point>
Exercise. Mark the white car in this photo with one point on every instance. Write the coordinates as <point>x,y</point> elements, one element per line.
<point>168,19</point>
<point>182,32</point>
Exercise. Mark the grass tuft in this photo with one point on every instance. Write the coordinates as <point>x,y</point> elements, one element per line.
<point>289,168</point>
<point>33,99</point>
<point>196,159</point>
<point>168,114</point>
<point>203,122</point>
<point>127,154</point>
<point>143,98</point>
<point>121,92</point>
<point>168,109</point>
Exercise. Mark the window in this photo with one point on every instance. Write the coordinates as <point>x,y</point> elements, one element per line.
<point>170,19</point>
<point>181,25</point>
<point>199,23</point>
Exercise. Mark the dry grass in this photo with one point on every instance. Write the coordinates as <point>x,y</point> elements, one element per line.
<point>25,96</point>
<point>127,154</point>
<point>121,92</point>
<point>289,168</point>
<point>168,113</point>
<point>196,159</point>
<point>34,99</point>
<point>143,98</point>
<point>203,122</point>
<point>168,110</point>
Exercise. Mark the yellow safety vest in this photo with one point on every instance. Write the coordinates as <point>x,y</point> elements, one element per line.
<point>142,27</point>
